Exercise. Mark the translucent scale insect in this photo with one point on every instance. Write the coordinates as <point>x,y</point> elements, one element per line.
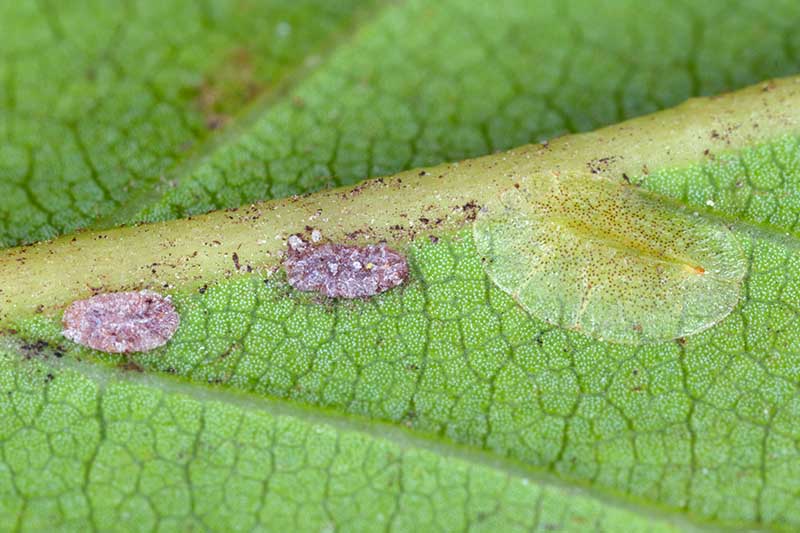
<point>610,260</point>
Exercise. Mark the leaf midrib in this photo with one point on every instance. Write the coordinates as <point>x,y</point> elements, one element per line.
<point>189,252</point>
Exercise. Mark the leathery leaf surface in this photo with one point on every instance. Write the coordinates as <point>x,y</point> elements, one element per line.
<point>440,405</point>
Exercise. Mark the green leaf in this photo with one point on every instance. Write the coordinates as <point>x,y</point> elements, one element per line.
<point>108,112</point>
<point>441,405</point>
<point>438,405</point>
<point>100,102</point>
<point>170,457</point>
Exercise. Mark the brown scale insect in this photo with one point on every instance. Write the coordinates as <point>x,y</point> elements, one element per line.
<point>342,271</point>
<point>121,322</point>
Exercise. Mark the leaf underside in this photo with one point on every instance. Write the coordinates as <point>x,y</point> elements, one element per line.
<point>142,117</point>
<point>454,361</point>
<point>441,405</point>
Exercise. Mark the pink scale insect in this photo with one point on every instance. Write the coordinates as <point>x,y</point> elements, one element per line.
<point>121,322</point>
<point>343,271</point>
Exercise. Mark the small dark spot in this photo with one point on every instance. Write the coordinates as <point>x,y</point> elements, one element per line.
<point>602,164</point>
<point>355,191</point>
<point>230,349</point>
<point>49,377</point>
<point>131,366</point>
<point>203,289</point>
<point>626,178</point>
<point>235,257</point>
<point>33,349</point>
<point>433,238</point>
<point>471,209</point>
<point>353,235</point>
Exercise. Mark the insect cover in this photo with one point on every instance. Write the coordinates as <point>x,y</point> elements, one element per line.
<point>609,260</point>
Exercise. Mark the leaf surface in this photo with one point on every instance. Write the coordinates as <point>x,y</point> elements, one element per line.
<point>99,101</point>
<point>142,117</point>
<point>441,405</point>
<point>447,376</point>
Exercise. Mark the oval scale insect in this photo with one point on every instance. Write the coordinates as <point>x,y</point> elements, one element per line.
<point>121,322</point>
<point>609,260</point>
<point>343,271</point>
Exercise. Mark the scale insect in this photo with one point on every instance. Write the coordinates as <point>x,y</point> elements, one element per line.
<point>343,271</point>
<point>609,260</point>
<point>121,322</point>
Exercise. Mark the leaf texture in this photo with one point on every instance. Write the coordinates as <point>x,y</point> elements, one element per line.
<point>692,433</point>
<point>144,118</point>
<point>440,405</point>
